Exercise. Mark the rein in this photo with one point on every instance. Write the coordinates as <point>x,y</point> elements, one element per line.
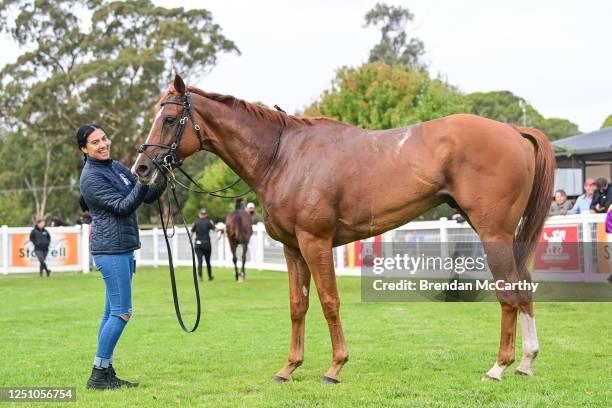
<point>166,164</point>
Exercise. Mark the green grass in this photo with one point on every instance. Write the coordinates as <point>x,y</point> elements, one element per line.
<point>401,354</point>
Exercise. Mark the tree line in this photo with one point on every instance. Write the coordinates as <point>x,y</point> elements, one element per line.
<point>107,62</point>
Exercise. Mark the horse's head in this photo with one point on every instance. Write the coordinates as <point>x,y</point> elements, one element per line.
<point>175,134</point>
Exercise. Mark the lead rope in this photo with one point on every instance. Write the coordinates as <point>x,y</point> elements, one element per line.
<point>177,307</point>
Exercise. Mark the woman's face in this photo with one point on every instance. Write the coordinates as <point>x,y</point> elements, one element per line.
<point>98,145</point>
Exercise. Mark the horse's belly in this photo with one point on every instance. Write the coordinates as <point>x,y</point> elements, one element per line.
<point>381,219</point>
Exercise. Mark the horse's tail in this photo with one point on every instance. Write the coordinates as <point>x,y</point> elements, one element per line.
<point>237,226</point>
<point>538,204</point>
<point>233,227</point>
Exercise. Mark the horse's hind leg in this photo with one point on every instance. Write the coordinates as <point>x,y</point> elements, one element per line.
<point>501,262</point>
<point>245,248</point>
<point>233,247</point>
<point>299,289</point>
<point>531,347</point>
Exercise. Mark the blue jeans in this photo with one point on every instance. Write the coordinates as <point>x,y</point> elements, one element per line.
<point>117,271</point>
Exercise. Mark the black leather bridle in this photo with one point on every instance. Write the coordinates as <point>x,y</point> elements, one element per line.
<point>171,160</point>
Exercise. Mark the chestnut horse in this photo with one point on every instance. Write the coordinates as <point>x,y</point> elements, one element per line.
<point>323,183</point>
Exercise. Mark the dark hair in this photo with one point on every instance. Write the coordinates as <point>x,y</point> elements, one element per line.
<point>84,131</point>
<point>81,140</point>
<point>601,182</point>
<point>561,191</point>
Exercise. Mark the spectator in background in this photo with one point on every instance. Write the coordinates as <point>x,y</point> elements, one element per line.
<point>84,218</point>
<point>41,239</point>
<point>561,205</point>
<point>250,208</point>
<point>602,198</point>
<point>583,202</point>
<point>58,222</point>
<point>609,231</point>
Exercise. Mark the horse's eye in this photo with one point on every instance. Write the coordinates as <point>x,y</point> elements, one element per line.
<point>170,121</point>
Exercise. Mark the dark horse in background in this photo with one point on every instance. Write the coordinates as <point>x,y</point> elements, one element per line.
<point>322,183</point>
<point>239,228</point>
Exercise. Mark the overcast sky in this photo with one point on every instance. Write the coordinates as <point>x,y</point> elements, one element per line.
<point>555,54</point>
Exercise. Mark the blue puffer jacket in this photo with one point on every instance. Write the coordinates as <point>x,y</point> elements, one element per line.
<point>113,194</point>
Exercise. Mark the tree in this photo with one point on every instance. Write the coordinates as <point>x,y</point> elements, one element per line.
<point>110,71</point>
<point>506,107</point>
<point>380,96</point>
<point>394,47</point>
<point>558,128</point>
<point>607,122</point>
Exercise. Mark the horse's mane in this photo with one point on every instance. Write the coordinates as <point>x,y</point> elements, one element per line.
<point>251,108</point>
<point>258,110</point>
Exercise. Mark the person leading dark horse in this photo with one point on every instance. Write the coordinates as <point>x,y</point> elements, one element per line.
<point>202,227</point>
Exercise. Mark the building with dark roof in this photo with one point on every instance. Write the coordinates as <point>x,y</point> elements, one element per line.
<point>583,156</point>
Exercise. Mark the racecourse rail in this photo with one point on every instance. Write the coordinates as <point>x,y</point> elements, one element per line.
<point>69,250</point>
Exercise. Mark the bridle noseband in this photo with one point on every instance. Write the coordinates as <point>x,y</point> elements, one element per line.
<point>171,160</point>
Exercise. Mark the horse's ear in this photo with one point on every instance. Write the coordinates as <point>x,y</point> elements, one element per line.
<point>179,85</point>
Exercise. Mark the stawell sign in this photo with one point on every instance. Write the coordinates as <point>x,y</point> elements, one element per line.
<point>63,250</point>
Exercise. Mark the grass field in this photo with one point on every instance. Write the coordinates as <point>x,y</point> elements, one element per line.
<point>401,354</point>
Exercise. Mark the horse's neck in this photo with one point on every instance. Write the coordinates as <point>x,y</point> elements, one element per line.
<point>243,142</point>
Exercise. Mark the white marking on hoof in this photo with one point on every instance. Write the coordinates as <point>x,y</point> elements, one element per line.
<point>495,373</point>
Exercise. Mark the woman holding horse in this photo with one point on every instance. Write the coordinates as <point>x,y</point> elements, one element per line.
<point>112,195</point>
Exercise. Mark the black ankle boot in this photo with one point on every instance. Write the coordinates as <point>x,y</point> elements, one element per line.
<point>102,379</point>
<point>122,383</point>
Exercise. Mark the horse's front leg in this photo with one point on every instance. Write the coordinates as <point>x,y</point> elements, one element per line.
<point>317,252</point>
<point>299,288</point>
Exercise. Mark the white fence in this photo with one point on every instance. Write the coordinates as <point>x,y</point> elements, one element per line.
<point>266,253</point>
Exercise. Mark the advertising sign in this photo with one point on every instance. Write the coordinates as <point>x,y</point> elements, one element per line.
<point>63,250</point>
<point>557,249</point>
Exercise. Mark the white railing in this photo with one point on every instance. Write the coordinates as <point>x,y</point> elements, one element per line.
<point>266,253</point>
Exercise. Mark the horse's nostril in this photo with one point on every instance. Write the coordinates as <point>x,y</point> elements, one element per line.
<point>142,170</point>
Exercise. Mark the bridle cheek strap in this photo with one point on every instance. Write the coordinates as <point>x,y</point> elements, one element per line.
<point>166,163</point>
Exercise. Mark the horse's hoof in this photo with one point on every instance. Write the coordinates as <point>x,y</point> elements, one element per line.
<point>329,380</point>
<point>279,379</point>
<point>525,373</point>
<point>488,377</point>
